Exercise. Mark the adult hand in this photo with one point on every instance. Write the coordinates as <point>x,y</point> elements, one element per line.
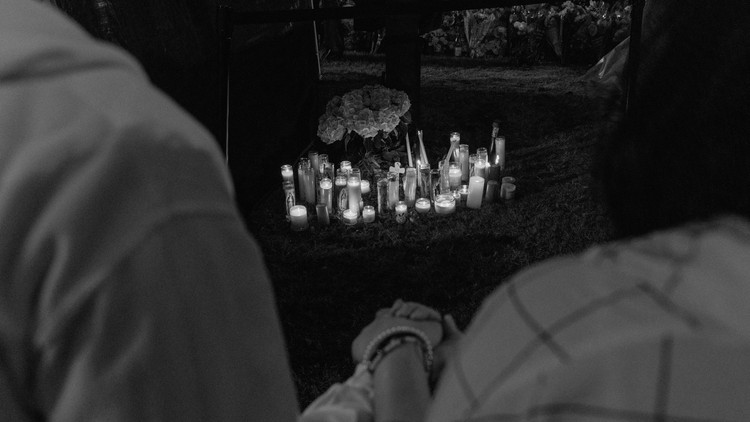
<point>451,334</point>
<point>383,321</point>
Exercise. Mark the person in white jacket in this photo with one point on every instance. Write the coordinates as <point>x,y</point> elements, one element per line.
<point>130,289</point>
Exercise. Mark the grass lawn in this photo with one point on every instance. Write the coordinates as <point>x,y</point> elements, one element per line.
<point>330,281</point>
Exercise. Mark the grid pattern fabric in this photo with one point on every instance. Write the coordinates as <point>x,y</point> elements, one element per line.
<point>652,329</point>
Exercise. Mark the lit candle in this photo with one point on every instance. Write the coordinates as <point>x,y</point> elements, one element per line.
<point>350,217</point>
<point>480,168</point>
<point>401,212</point>
<point>445,204</point>
<point>310,186</point>
<point>298,215</point>
<point>500,151</point>
<point>326,194</point>
<point>346,166</point>
<point>423,205</point>
<point>354,184</point>
<point>476,191</point>
<point>368,214</point>
<point>287,173</point>
<point>454,176</point>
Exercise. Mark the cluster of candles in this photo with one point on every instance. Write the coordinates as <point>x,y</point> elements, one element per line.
<point>461,178</point>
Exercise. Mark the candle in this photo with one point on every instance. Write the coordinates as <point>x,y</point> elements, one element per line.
<point>354,185</point>
<point>476,191</point>
<point>368,214</point>
<point>341,198</point>
<point>454,176</point>
<point>314,162</point>
<point>480,168</point>
<point>350,217</point>
<point>410,186</point>
<point>463,159</point>
<point>482,154</point>
<point>434,183</point>
<point>445,204</point>
<point>287,173</point>
<point>464,192</point>
<point>494,172</point>
<point>310,186</point>
<point>364,185</point>
<point>298,215</point>
<point>424,180</point>
<point>301,177</point>
<point>289,197</point>
<point>326,194</point>
<point>346,166</point>
<point>423,205</point>
<point>382,195</point>
<point>393,186</point>
<point>322,212</point>
<point>491,191</point>
<point>500,151</point>
<point>507,190</point>
<point>401,212</point>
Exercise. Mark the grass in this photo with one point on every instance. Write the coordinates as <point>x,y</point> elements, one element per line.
<point>330,281</point>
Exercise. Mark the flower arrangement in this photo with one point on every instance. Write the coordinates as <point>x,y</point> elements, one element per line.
<point>373,113</point>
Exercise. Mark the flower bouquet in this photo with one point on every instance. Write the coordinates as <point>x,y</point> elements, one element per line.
<point>374,120</point>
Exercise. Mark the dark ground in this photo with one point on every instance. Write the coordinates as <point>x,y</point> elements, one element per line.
<point>330,281</point>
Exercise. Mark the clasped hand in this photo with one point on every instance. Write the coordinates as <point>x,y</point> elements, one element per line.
<point>442,332</point>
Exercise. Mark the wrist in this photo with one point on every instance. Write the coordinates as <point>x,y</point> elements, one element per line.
<point>394,338</point>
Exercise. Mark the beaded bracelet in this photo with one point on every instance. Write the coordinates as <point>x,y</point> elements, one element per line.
<point>376,350</point>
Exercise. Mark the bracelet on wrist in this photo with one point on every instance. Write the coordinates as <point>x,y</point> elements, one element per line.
<point>392,338</point>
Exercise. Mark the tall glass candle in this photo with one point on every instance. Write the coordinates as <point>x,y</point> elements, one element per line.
<point>401,212</point>
<point>445,204</point>
<point>454,176</point>
<point>314,162</point>
<point>340,185</point>
<point>287,173</point>
<point>298,215</point>
<point>500,152</point>
<point>322,212</point>
<point>434,183</point>
<point>382,187</point>
<point>310,188</point>
<point>472,162</point>
<point>326,194</point>
<point>393,186</point>
<point>482,154</point>
<point>424,180</point>
<point>463,159</point>
<point>464,192</point>
<point>303,164</point>
<point>289,197</point>
<point>410,186</point>
<point>480,168</point>
<point>476,191</point>
<point>507,190</point>
<point>354,185</point>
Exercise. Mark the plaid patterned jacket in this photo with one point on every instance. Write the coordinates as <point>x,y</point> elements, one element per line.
<point>653,329</point>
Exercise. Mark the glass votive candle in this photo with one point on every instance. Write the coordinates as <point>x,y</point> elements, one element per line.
<point>287,173</point>
<point>298,216</point>
<point>350,217</point>
<point>364,185</point>
<point>454,176</point>
<point>423,205</point>
<point>368,214</point>
<point>507,190</point>
<point>401,212</point>
<point>445,204</point>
